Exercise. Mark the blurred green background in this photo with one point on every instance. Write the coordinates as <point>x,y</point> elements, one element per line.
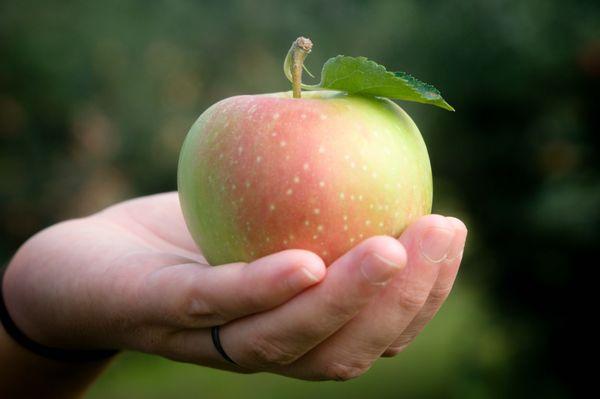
<point>96,98</point>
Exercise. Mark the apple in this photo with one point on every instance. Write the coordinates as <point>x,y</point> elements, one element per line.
<point>317,170</point>
<point>263,173</point>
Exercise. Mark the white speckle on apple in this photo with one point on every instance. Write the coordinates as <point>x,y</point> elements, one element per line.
<point>316,211</point>
<point>320,227</point>
<point>374,175</point>
<point>325,253</point>
<point>346,157</point>
<point>282,143</point>
<point>303,116</point>
<point>352,165</point>
<point>268,239</point>
<point>258,159</point>
<point>233,186</point>
<point>367,222</point>
<point>276,115</point>
<point>285,242</point>
<point>345,227</point>
<point>314,237</point>
<point>296,179</point>
<point>345,217</point>
<point>274,134</point>
<point>352,239</point>
<point>271,207</point>
<point>342,195</point>
<point>360,197</point>
<point>321,183</point>
<point>307,222</point>
<point>247,184</point>
<point>240,149</point>
<point>289,191</point>
<point>352,197</point>
<point>305,166</point>
<point>365,167</point>
<point>380,224</point>
<point>321,149</point>
<point>221,156</point>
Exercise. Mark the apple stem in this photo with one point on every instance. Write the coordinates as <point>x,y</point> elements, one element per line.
<point>298,52</point>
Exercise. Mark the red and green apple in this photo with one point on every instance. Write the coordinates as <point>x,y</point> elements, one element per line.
<point>320,169</point>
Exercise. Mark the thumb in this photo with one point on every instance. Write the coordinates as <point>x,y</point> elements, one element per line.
<point>195,295</point>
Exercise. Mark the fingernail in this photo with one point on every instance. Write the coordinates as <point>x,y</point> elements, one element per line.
<point>435,244</point>
<point>457,249</point>
<point>379,269</point>
<point>302,279</point>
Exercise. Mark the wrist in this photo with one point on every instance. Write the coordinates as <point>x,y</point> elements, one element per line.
<point>39,344</point>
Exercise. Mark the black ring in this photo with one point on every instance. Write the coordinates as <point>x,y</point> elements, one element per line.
<point>214,333</point>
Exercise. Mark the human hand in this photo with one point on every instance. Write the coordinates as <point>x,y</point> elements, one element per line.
<point>130,277</point>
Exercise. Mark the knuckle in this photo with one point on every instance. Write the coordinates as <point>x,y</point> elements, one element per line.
<point>255,301</point>
<point>338,371</point>
<point>197,311</point>
<point>336,306</point>
<point>266,354</point>
<point>412,301</point>
<point>394,350</point>
<point>438,296</point>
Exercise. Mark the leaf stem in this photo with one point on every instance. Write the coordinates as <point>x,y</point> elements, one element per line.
<point>294,62</point>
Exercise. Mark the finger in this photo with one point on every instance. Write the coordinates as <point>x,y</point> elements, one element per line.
<point>352,350</point>
<point>281,335</point>
<point>439,292</point>
<point>193,295</point>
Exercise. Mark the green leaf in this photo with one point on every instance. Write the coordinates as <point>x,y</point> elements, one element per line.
<point>359,75</point>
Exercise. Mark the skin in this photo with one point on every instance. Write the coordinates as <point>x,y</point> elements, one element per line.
<point>131,277</point>
<point>264,173</point>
